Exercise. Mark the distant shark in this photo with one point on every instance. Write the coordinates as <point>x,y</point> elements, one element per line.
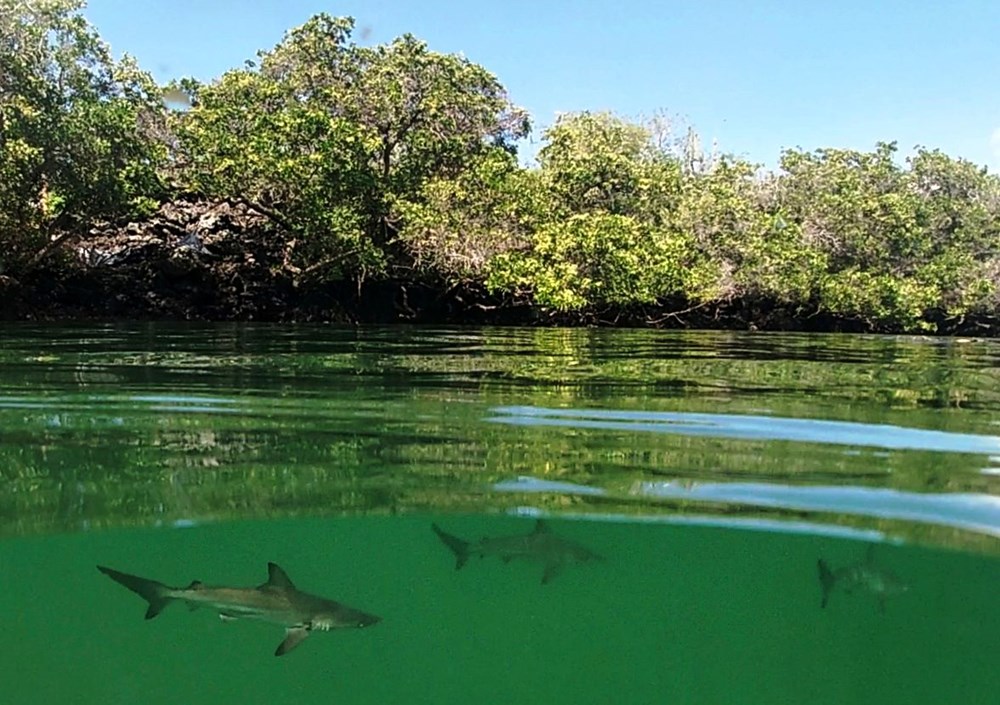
<point>541,545</point>
<point>865,574</point>
<point>277,601</point>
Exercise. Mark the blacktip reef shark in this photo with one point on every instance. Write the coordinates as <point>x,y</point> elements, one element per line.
<point>866,575</point>
<point>541,545</point>
<point>277,601</point>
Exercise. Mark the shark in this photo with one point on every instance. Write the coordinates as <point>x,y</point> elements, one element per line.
<point>276,601</point>
<point>541,545</point>
<point>866,575</point>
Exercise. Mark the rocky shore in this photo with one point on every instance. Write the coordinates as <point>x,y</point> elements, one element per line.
<point>203,260</point>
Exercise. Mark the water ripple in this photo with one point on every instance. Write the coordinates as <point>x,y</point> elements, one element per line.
<point>974,512</point>
<point>773,428</point>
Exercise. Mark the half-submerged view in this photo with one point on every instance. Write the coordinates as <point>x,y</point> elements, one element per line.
<point>544,393</point>
<point>673,517</point>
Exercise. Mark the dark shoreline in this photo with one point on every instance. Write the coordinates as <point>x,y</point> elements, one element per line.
<point>204,260</point>
<point>112,296</point>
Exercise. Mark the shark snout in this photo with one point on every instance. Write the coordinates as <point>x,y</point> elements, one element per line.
<point>363,619</point>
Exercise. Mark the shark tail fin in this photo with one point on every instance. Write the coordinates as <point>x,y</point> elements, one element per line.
<point>459,547</point>
<point>156,594</point>
<point>826,580</point>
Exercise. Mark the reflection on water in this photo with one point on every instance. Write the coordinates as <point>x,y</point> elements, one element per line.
<point>974,512</point>
<point>708,505</point>
<point>769,428</point>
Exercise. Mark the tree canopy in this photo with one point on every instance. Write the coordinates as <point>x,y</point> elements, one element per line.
<point>79,130</point>
<point>398,161</point>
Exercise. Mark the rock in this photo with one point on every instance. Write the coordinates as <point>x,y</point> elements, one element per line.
<point>191,259</point>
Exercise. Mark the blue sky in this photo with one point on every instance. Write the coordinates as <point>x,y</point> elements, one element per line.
<point>756,77</point>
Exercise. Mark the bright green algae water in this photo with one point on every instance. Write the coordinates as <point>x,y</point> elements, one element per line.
<point>709,471</point>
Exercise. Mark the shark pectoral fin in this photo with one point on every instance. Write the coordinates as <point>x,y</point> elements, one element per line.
<point>826,580</point>
<point>223,617</point>
<point>870,554</point>
<point>293,637</point>
<point>551,571</point>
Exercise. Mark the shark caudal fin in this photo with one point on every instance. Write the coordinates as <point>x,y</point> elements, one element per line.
<point>151,591</point>
<point>826,580</point>
<point>459,547</point>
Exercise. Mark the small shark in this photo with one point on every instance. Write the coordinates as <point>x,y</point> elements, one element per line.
<point>277,601</point>
<point>864,574</point>
<point>552,551</point>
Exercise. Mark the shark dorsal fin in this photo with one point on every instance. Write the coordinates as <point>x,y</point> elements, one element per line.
<point>541,527</point>
<point>276,577</point>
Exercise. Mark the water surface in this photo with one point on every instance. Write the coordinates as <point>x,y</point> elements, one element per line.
<point>711,471</point>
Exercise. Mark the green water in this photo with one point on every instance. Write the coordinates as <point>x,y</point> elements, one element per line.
<point>710,472</point>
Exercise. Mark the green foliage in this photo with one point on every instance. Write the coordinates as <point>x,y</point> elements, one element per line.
<point>77,129</point>
<point>595,162</point>
<point>600,259</point>
<point>425,114</point>
<point>897,242</point>
<point>609,239</point>
<point>395,158</point>
<point>248,137</point>
<point>877,297</point>
<point>758,249</point>
<point>456,226</point>
<point>330,133</point>
<point>853,206</point>
<point>960,214</point>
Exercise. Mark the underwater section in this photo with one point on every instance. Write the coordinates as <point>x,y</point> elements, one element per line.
<point>496,515</point>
